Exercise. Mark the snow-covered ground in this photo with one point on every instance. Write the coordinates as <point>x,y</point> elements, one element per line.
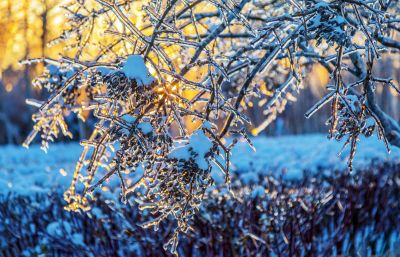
<point>313,152</point>
<point>28,171</point>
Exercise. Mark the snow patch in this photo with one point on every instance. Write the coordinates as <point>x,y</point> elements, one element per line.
<point>145,127</point>
<point>199,143</point>
<point>135,68</point>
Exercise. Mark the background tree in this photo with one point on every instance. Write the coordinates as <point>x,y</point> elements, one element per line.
<point>27,26</point>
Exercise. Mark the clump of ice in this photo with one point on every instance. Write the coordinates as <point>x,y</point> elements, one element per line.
<point>135,68</point>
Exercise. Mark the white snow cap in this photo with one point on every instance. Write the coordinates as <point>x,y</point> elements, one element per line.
<point>135,68</point>
<point>200,143</point>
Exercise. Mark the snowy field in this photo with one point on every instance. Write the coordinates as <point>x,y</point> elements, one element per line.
<point>36,223</point>
<point>32,171</point>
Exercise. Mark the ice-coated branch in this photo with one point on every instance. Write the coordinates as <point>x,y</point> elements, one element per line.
<point>167,81</point>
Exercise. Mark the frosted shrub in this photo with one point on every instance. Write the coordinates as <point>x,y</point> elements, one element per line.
<point>168,81</point>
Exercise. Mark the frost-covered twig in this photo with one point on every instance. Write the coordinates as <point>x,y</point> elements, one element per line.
<point>162,76</point>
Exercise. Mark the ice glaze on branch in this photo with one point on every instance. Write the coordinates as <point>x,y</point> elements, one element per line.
<point>167,80</point>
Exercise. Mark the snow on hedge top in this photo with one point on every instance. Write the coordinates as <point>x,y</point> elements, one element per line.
<point>32,171</point>
<point>135,68</point>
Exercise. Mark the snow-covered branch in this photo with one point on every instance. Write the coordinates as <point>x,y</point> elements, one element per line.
<point>168,80</point>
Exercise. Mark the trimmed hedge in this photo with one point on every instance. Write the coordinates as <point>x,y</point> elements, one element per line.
<point>339,214</point>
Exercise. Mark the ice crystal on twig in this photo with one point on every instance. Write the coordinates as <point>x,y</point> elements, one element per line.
<point>167,81</point>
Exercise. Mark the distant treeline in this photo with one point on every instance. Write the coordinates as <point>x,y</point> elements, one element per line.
<point>29,25</point>
<point>15,114</point>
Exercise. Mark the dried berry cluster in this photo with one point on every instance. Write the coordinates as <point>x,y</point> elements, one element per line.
<point>168,81</point>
